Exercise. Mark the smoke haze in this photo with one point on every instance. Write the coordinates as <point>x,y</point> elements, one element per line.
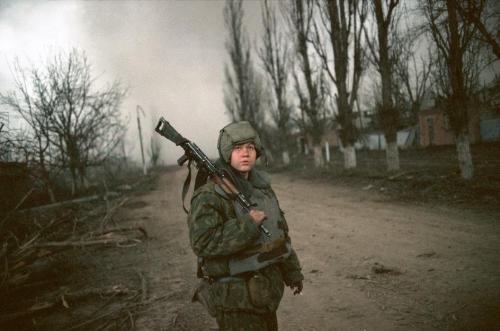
<point>170,55</point>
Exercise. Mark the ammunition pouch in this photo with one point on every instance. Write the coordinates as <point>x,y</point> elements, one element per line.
<point>259,290</point>
<point>254,292</point>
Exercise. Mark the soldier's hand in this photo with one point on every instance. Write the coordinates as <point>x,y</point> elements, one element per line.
<point>257,216</point>
<point>297,287</point>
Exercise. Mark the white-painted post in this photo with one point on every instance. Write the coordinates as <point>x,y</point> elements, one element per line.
<point>327,151</point>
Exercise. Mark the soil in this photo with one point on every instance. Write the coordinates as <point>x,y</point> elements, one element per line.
<point>370,263</point>
<point>377,254</point>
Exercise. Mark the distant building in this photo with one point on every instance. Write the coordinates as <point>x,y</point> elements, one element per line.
<point>375,140</point>
<point>490,116</point>
<point>304,141</point>
<point>484,120</point>
<point>435,129</point>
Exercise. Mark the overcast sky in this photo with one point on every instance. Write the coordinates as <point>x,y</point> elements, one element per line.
<point>170,54</point>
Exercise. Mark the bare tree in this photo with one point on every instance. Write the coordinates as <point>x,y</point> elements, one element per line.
<point>274,55</point>
<point>313,95</point>
<point>86,120</point>
<point>16,145</point>
<point>485,16</point>
<point>74,123</point>
<point>458,65</point>
<point>381,48</point>
<point>412,73</point>
<point>27,99</point>
<point>344,21</point>
<point>4,139</point>
<point>242,93</point>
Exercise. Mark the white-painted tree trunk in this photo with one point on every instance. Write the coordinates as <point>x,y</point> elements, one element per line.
<point>349,157</point>
<point>464,156</point>
<point>327,152</point>
<point>50,192</point>
<point>318,156</point>
<point>286,157</point>
<point>392,156</point>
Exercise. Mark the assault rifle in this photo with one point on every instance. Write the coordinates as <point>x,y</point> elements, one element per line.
<point>203,163</point>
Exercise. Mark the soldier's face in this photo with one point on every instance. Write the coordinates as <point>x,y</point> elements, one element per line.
<point>243,157</point>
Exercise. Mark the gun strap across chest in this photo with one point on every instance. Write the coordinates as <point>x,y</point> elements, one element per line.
<point>185,186</point>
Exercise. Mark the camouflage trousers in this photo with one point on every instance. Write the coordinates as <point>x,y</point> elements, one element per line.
<point>243,321</point>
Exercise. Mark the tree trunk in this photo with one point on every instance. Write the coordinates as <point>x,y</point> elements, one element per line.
<point>318,156</point>
<point>74,185</point>
<point>286,157</point>
<point>389,114</point>
<point>266,159</point>
<point>392,156</point>
<point>349,157</point>
<point>51,194</point>
<point>464,156</point>
<point>84,183</point>
<point>457,77</point>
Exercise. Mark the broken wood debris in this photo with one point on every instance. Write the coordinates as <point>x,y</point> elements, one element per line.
<point>30,243</point>
<point>73,201</point>
<point>117,239</point>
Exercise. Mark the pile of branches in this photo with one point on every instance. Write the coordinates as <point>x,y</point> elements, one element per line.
<point>36,248</point>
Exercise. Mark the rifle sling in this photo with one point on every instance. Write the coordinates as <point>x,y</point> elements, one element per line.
<point>185,187</point>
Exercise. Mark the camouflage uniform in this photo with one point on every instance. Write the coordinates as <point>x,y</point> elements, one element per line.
<point>243,302</point>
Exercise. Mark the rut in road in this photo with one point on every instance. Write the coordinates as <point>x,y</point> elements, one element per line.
<point>369,263</point>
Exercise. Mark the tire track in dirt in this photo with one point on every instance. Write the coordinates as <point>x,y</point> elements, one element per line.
<point>168,263</point>
<point>342,232</point>
<point>444,261</point>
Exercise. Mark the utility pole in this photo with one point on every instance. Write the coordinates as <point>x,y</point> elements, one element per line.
<point>144,169</point>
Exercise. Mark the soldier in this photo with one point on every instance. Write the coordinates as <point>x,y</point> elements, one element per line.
<point>243,271</point>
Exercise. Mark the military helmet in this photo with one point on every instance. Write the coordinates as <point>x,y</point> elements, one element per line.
<point>235,134</point>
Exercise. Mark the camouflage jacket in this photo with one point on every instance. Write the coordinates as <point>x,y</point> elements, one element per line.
<point>216,234</point>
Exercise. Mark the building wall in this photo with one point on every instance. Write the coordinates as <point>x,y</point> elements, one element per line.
<point>376,140</point>
<point>435,129</point>
<point>372,141</point>
<point>490,129</point>
<point>331,137</point>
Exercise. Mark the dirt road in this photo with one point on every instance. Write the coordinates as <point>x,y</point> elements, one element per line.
<point>369,263</point>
